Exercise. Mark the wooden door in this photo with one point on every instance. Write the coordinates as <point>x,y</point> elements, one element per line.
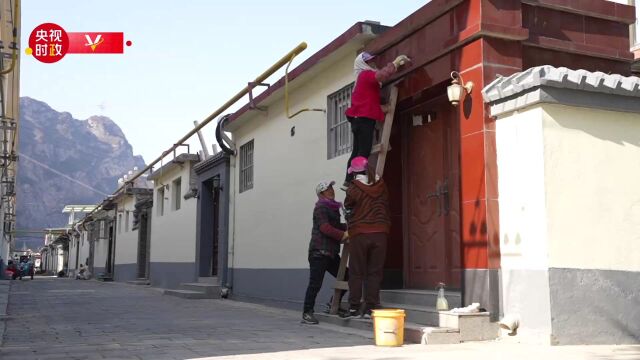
<point>431,234</point>
<point>216,229</point>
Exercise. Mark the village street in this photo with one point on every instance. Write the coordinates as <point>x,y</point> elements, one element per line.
<point>51,318</point>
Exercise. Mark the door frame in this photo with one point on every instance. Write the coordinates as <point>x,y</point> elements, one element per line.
<point>452,142</point>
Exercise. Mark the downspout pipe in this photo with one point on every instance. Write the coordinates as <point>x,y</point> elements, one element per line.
<point>261,78</point>
<point>222,139</point>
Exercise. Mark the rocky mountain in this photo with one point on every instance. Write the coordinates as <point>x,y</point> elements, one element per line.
<point>63,161</point>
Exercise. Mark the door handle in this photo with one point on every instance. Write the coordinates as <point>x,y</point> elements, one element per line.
<point>436,194</point>
<point>444,191</point>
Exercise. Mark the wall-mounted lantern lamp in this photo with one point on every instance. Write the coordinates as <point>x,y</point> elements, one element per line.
<point>455,90</point>
<point>216,183</point>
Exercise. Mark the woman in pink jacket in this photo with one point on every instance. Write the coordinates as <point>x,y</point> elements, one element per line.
<point>365,109</point>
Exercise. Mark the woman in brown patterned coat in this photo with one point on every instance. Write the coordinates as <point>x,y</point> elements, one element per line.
<point>369,221</point>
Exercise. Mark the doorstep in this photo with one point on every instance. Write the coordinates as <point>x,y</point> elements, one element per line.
<point>413,333</point>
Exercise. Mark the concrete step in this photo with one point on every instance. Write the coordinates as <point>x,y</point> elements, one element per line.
<point>211,289</point>
<point>187,294</point>
<point>472,327</point>
<point>419,297</point>
<point>139,282</point>
<point>423,315</point>
<point>413,333</point>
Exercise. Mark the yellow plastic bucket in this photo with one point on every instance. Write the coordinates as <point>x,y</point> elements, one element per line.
<point>388,327</point>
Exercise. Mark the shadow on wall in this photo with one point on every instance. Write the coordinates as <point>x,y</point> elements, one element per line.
<point>621,130</point>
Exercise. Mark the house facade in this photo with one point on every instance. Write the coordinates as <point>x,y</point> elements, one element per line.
<point>443,169</point>
<point>172,258</point>
<point>278,164</point>
<point>131,250</point>
<point>566,144</point>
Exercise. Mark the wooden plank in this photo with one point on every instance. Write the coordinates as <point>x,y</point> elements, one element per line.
<point>381,150</point>
<point>340,284</point>
<point>386,131</point>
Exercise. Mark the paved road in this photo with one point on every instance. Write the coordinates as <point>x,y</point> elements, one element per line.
<point>51,318</point>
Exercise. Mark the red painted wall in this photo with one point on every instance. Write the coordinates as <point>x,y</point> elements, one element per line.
<point>481,39</point>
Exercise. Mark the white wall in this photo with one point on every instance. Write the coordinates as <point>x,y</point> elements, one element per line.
<point>126,238</point>
<point>592,167</point>
<point>568,198</point>
<point>523,224</point>
<point>173,235</point>
<point>273,220</point>
<point>100,251</point>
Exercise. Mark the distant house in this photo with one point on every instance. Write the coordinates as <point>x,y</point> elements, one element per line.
<point>172,259</point>
<point>130,249</point>
<point>53,253</point>
<point>78,245</point>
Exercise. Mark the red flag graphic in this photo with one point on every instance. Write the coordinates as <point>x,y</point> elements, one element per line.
<point>96,43</point>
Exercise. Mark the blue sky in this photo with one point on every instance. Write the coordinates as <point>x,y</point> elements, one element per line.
<point>187,58</point>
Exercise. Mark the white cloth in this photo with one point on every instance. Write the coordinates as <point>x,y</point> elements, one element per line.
<point>365,179</point>
<point>473,308</point>
<point>359,65</point>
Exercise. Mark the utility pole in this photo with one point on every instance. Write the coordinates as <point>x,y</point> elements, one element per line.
<point>9,118</point>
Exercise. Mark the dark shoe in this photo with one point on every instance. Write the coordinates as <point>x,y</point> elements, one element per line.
<point>366,314</point>
<point>308,318</point>
<point>350,313</point>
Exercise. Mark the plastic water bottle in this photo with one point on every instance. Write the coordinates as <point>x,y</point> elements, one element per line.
<point>441,304</point>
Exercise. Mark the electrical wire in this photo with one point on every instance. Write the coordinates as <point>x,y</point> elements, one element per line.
<point>63,175</point>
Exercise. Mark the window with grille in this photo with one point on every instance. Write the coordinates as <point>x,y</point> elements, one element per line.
<point>177,193</point>
<point>339,139</point>
<point>246,166</point>
<point>160,201</point>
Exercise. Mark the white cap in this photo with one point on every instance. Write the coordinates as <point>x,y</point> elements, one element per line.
<point>324,185</point>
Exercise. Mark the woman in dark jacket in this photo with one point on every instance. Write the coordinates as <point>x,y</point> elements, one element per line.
<point>324,248</point>
<point>369,221</point>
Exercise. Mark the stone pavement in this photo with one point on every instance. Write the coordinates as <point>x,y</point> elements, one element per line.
<point>51,318</point>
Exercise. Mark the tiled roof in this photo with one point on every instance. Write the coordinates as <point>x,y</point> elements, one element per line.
<point>564,78</point>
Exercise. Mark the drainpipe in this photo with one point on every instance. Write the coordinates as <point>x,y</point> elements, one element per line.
<point>232,223</point>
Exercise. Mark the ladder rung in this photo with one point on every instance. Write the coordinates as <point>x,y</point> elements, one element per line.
<point>341,285</point>
<point>378,148</point>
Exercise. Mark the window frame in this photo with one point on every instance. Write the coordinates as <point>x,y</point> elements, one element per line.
<point>176,193</point>
<point>339,139</point>
<point>160,200</point>
<point>246,168</point>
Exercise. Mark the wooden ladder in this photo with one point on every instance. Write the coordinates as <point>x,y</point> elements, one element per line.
<point>381,150</point>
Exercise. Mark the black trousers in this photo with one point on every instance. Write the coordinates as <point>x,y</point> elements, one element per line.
<point>362,130</point>
<point>318,265</point>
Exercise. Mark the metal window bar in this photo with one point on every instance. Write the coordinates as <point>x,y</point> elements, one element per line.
<point>339,140</point>
<point>246,166</point>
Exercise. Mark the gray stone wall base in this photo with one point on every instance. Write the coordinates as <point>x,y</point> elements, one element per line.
<point>280,287</point>
<point>126,272</point>
<point>482,286</point>
<point>594,306</point>
<point>526,293</point>
<point>169,275</point>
